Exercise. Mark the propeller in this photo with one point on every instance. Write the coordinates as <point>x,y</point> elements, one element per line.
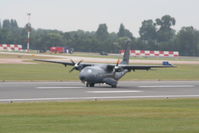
<point>76,65</point>
<point>117,68</point>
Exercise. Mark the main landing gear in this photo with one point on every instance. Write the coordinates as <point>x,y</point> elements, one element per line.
<point>90,84</point>
<point>114,86</point>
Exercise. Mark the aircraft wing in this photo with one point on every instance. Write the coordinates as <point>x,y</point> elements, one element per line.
<point>58,62</point>
<point>142,67</point>
<point>72,63</point>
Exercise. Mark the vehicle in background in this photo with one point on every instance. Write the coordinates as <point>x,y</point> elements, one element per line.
<point>61,50</point>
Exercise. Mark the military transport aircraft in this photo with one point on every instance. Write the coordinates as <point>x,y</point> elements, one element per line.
<point>90,74</point>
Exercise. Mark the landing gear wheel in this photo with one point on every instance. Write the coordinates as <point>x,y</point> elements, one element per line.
<point>90,84</point>
<point>114,86</point>
<point>87,85</point>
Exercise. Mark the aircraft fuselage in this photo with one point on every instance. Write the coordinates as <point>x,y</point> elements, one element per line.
<point>92,74</point>
<point>99,74</point>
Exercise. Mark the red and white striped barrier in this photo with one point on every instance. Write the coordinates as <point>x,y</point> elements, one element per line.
<point>10,47</point>
<point>152,53</point>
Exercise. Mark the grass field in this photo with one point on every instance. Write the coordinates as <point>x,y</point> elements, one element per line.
<point>130,116</point>
<point>36,72</point>
<point>57,72</point>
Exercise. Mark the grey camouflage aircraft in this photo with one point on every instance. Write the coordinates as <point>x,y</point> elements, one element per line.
<point>91,73</point>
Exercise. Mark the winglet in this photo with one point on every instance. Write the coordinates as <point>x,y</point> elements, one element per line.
<point>166,63</point>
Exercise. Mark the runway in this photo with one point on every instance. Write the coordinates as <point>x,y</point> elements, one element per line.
<point>63,91</point>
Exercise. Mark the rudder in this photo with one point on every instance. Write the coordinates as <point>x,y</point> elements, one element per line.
<point>126,53</point>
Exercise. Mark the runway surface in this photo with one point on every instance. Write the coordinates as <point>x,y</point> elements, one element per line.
<point>61,91</point>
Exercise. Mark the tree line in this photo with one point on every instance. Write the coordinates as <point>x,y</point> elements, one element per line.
<point>155,34</point>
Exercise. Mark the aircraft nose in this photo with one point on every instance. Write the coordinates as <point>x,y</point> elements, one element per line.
<point>86,77</point>
<point>82,77</point>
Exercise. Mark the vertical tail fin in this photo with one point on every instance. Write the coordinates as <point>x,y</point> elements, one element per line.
<point>126,53</point>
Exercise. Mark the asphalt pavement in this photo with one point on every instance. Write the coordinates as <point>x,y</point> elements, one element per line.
<point>64,91</point>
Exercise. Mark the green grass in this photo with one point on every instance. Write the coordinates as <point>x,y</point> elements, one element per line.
<point>36,72</point>
<point>56,72</point>
<point>181,72</point>
<point>130,116</point>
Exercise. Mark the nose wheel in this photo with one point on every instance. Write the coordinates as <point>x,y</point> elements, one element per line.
<point>90,84</point>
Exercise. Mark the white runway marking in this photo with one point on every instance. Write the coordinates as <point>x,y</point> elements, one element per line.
<point>113,91</point>
<point>168,86</point>
<point>58,87</point>
<point>93,98</point>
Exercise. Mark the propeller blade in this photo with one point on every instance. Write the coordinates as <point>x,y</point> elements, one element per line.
<point>116,68</point>
<point>118,61</point>
<point>72,62</point>
<point>72,69</point>
<point>76,65</point>
<point>79,62</point>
